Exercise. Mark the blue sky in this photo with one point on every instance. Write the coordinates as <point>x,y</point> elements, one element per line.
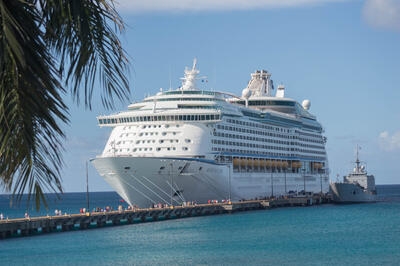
<point>343,55</point>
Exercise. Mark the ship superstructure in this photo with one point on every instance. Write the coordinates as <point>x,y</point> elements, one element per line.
<point>197,145</point>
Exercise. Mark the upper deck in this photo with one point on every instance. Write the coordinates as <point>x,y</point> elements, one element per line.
<point>188,103</point>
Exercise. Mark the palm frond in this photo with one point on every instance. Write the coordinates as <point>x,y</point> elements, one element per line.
<point>30,105</point>
<point>89,45</point>
<point>45,47</point>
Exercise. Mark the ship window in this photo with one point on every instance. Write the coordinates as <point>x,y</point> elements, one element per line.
<point>158,149</point>
<point>207,117</point>
<point>184,148</point>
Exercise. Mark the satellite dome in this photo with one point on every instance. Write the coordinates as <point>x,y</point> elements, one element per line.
<point>246,93</point>
<point>306,104</point>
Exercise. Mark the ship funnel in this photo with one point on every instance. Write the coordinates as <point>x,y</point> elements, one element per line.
<point>280,92</point>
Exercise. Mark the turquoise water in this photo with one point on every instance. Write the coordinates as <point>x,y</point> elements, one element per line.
<point>363,234</point>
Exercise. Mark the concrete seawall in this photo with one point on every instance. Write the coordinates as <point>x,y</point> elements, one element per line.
<point>41,225</point>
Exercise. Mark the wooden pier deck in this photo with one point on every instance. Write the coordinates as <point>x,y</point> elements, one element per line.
<point>41,225</point>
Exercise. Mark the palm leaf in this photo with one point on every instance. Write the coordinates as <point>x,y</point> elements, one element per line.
<point>37,38</point>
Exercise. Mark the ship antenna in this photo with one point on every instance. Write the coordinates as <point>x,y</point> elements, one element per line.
<point>194,64</point>
<point>357,160</point>
<point>170,81</point>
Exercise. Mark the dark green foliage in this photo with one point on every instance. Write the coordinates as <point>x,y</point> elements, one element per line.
<point>37,40</point>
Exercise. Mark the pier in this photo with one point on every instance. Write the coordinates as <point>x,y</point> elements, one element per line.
<point>41,225</point>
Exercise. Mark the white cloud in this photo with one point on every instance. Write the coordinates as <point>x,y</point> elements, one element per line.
<point>382,13</point>
<point>210,5</point>
<point>389,142</point>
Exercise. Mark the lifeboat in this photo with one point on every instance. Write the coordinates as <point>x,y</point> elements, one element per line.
<point>268,163</point>
<point>296,164</point>
<point>262,163</point>
<point>256,163</point>
<point>243,162</point>
<point>285,164</point>
<point>236,162</point>
<point>318,165</point>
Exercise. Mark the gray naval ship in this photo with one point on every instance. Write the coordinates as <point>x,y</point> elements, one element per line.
<point>357,187</point>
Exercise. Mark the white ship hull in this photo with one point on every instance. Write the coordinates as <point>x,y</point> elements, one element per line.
<point>351,193</point>
<point>144,181</point>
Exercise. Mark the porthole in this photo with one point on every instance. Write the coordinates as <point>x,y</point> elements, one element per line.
<point>164,133</point>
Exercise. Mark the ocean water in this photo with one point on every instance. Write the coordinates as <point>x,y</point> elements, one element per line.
<point>357,234</point>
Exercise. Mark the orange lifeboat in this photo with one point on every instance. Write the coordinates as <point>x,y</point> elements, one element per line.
<point>256,162</point>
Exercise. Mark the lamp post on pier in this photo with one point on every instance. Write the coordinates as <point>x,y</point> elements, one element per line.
<point>87,187</point>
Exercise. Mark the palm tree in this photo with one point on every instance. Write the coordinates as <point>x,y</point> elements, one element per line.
<point>50,48</point>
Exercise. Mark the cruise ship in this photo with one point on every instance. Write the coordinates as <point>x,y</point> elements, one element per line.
<point>196,145</point>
